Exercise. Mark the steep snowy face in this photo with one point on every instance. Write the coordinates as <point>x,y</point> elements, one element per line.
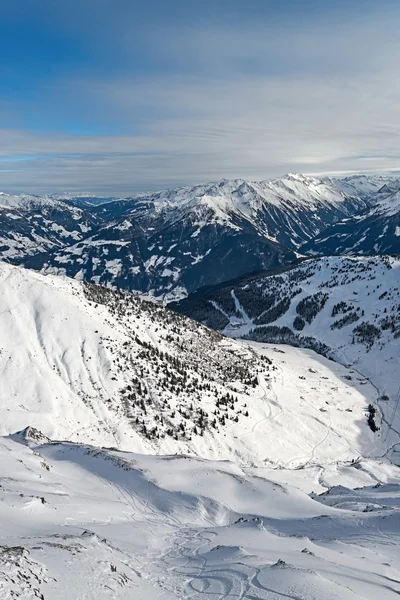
<point>386,202</point>
<point>85,363</point>
<point>375,231</point>
<point>341,307</point>
<point>173,242</point>
<point>31,225</point>
<point>259,202</point>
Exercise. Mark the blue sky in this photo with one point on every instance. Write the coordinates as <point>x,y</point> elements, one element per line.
<point>126,95</point>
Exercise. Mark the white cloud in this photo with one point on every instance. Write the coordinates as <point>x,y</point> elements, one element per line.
<point>252,102</point>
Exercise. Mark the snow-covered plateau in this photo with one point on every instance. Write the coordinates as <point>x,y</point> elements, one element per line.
<point>146,456</point>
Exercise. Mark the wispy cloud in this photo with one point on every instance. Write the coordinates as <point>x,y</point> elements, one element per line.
<point>252,100</point>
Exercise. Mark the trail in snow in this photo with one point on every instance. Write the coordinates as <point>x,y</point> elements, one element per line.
<point>183,527</point>
<point>240,309</point>
<point>264,400</point>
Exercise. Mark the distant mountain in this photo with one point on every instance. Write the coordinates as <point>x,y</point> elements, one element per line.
<point>30,225</point>
<point>360,186</point>
<point>287,210</point>
<point>375,231</point>
<point>83,200</point>
<point>171,243</point>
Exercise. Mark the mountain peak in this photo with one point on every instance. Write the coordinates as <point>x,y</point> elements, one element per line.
<point>30,435</point>
<point>300,177</point>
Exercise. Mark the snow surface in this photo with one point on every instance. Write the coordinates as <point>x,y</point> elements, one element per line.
<point>83,523</point>
<point>361,185</point>
<point>234,513</point>
<point>368,286</point>
<point>66,362</point>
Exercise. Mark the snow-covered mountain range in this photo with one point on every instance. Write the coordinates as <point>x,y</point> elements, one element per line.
<point>171,243</point>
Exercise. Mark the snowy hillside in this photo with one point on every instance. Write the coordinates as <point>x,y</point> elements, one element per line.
<point>345,308</point>
<point>83,523</point>
<point>87,364</point>
<point>196,466</point>
<point>173,242</point>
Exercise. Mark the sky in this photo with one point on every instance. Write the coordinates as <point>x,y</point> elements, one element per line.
<point>114,97</point>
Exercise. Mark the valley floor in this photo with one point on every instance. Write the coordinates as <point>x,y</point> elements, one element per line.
<point>316,517</point>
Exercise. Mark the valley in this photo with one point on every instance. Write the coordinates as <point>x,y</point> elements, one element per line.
<point>199,300</point>
<point>86,364</point>
<point>219,419</point>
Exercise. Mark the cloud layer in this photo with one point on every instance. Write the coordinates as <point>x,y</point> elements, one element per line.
<point>198,102</point>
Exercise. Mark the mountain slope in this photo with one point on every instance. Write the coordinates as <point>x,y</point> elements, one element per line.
<point>361,186</point>
<point>166,263</point>
<point>87,363</point>
<point>376,231</point>
<point>287,210</point>
<point>170,243</point>
<point>81,522</point>
<point>84,363</point>
<point>345,308</point>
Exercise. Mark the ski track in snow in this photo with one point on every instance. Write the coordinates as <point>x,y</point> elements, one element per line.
<point>171,526</point>
<point>264,400</point>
